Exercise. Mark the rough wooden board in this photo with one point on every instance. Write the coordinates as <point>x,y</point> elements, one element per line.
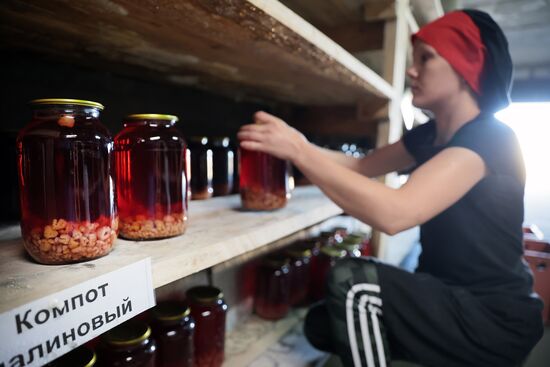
<point>217,232</point>
<point>256,47</point>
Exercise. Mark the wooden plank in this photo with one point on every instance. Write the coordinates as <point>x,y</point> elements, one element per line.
<point>327,13</point>
<point>358,36</point>
<point>218,231</point>
<point>379,10</point>
<point>342,121</point>
<point>256,48</point>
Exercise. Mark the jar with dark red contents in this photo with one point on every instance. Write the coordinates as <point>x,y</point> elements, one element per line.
<point>273,288</point>
<point>201,168</point>
<point>328,256</point>
<point>79,357</point>
<point>128,345</point>
<point>151,179</point>
<point>263,181</point>
<point>363,240</point>
<point>300,259</point>
<point>351,246</point>
<point>65,166</point>
<point>223,169</point>
<point>173,330</point>
<point>209,309</point>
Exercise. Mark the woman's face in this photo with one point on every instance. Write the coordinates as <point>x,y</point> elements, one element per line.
<point>433,80</point>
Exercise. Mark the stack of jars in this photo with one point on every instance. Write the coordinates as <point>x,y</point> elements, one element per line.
<point>177,334</point>
<point>297,276</point>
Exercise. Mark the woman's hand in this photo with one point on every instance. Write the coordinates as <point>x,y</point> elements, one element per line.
<point>271,135</point>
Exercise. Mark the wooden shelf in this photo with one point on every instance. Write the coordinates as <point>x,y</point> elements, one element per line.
<point>245,48</point>
<point>218,231</point>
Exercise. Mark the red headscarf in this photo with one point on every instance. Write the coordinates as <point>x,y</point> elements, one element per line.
<point>458,40</point>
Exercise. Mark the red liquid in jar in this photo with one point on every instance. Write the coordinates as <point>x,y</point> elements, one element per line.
<point>65,167</point>
<point>273,290</point>
<point>151,180</point>
<point>263,181</point>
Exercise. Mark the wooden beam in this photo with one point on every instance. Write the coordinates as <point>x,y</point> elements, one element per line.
<point>358,36</point>
<point>379,10</point>
<point>256,48</point>
<point>343,121</point>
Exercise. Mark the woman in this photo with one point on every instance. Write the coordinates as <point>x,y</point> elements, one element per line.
<point>470,302</point>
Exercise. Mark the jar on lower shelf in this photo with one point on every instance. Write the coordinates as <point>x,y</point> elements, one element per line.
<point>79,357</point>
<point>65,164</point>
<point>351,246</point>
<point>128,345</point>
<point>328,256</point>
<point>151,179</point>
<point>173,330</point>
<point>209,309</point>
<point>300,273</point>
<point>273,288</point>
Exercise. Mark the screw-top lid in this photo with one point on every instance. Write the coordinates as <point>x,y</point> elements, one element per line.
<point>79,357</point>
<point>152,116</point>
<point>299,252</point>
<point>332,251</point>
<point>131,332</point>
<point>204,294</point>
<point>275,261</point>
<point>67,101</point>
<point>220,141</point>
<point>355,237</point>
<point>170,311</point>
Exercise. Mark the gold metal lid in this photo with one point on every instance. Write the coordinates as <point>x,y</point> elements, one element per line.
<point>170,311</point>
<point>79,357</point>
<point>152,116</point>
<point>299,252</point>
<point>129,333</point>
<point>65,101</point>
<point>204,294</point>
<point>333,251</point>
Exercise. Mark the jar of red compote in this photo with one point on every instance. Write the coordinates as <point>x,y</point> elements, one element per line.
<point>273,288</point>
<point>128,345</point>
<point>151,179</point>
<point>222,165</point>
<point>201,168</point>
<point>79,357</point>
<point>300,261</point>
<point>263,181</point>
<point>328,256</point>
<point>68,209</point>
<point>173,330</point>
<point>209,309</point>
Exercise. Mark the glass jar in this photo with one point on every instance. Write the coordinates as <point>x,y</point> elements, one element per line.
<point>209,309</point>
<point>273,288</point>
<point>328,256</point>
<point>151,180</point>
<point>128,345</point>
<point>68,209</point>
<point>300,261</point>
<point>351,246</point>
<point>223,169</point>
<point>79,357</point>
<point>329,238</point>
<point>201,168</point>
<point>263,181</point>
<point>363,240</point>
<point>173,330</point>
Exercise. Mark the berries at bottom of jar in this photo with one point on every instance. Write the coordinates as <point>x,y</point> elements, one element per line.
<point>140,227</point>
<point>65,241</point>
<point>258,199</point>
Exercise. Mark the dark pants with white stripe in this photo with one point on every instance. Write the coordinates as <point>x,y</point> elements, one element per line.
<point>372,309</point>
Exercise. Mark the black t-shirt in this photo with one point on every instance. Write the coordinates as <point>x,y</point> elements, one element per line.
<point>477,242</point>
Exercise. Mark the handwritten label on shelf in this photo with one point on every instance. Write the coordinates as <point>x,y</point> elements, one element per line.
<point>45,329</point>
